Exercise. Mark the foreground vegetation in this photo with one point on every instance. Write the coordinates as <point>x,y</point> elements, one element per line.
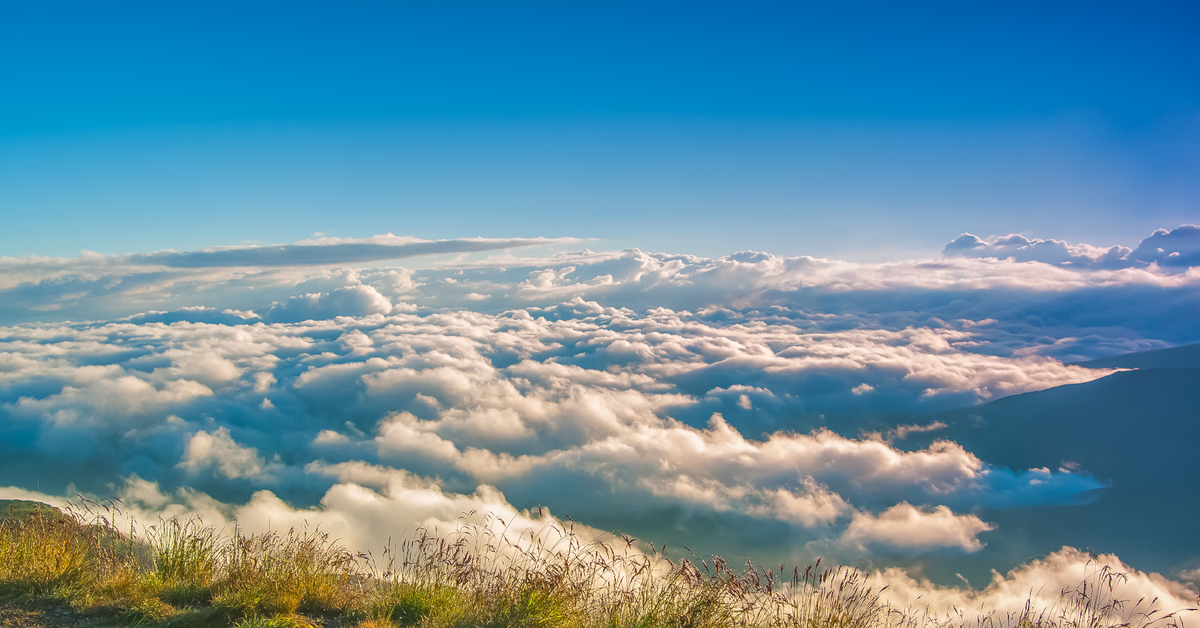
<point>182,574</point>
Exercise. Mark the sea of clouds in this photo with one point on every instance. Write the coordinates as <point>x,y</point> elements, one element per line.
<point>751,404</point>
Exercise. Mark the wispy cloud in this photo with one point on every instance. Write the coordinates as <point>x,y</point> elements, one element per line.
<point>332,251</point>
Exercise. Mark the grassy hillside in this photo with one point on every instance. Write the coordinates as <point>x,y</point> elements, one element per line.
<point>183,575</point>
<point>18,509</point>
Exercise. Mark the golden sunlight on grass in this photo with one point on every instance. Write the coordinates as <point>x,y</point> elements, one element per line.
<point>183,574</point>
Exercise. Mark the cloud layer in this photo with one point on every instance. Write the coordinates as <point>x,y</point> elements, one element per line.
<point>648,409</point>
<point>711,401</point>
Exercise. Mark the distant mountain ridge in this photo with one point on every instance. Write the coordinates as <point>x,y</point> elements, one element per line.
<point>1128,428</point>
<point>1138,431</point>
<point>1185,357</point>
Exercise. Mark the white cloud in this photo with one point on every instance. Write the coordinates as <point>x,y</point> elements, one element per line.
<point>263,381</point>
<point>1023,249</point>
<point>1190,575</point>
<point>902,431</point>
<point>218,449</point>
<point>127,396</point>
<point>347,301</point>
<point>906,528</point>
<point>1051,583</point>
<point>1179,247</point>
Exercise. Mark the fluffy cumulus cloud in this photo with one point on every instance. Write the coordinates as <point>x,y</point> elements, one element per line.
<point>1179,248</point>
<point>204,451</point>
<point>904,527</point>
<point>705,400</point>
<point>345,301</point>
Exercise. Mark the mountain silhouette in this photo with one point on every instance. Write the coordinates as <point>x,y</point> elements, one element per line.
<point>1136,431</point>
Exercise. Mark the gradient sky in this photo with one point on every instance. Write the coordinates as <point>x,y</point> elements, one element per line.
<point>867,131</point>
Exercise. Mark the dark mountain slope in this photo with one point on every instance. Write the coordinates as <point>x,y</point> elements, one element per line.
<point>1137,431</point>
<point>1185,357</point>
<point>1127,429</point>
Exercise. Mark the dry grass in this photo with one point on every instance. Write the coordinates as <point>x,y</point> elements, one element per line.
<point>1093,603</point>
<point>182,574</point>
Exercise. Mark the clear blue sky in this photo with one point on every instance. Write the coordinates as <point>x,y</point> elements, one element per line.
<point>863,131</point>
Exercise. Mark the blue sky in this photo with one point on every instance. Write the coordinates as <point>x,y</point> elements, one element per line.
<point>865,131</point>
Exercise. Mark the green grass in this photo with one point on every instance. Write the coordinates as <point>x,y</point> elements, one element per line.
<point>18,509</point>
<point>181,574</point>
